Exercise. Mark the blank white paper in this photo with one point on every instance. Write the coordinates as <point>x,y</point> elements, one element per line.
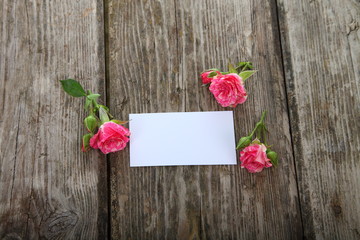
<point>182,138</point>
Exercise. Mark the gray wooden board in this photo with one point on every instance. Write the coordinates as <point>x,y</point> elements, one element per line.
<point>156,50</point>
<point>49,189</point>
<point>321,47</point>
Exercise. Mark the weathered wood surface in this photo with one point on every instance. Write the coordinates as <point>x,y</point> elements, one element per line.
<point>49,189</point>
<point>321,46</point>
<point>156,50</point>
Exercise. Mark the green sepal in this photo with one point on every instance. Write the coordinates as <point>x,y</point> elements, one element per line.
<point>104,117</point>
<point>273,157</point>
<point>243,142</point>
<point>232,69</point>
<point>119,122</point>
<point>261,131</point>
<point>246,74</point>
<point>211,69</point>
<point>87,104</point>
<point>105,107</point>
<point>107,110</point>
<point>212,74</point>
<point>90,123</point>
<point>73,88</point>
<point>86,142</point>
<point>256,141</point>
<point>242,66</point>
<point>93,96</point>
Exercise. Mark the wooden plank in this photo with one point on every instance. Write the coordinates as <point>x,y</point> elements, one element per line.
<point>157,49</point>
<point>49,189</point>
<point>148,203</point>
<point>322,58</point>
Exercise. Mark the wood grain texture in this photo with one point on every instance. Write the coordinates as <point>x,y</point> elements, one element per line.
<point>156,51</point>
<point>49,189</point>
<point>321,46</point>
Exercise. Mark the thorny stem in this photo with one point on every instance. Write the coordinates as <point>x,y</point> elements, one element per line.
<point>258,124</point>
<point>263,117</point>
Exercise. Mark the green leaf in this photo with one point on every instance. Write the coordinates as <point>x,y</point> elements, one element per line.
<point>232,69</point>
<point>93,96</point>
<point>73,88</point>
<point>104,117</point>
<point>246,74</point>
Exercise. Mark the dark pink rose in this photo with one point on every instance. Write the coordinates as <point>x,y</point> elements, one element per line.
<point>228,90</point>
<point>254,158</point>
<point>205,78</point>
<point>111,137</point>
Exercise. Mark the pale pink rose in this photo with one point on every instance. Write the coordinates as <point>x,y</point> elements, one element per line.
<point>228,90</point>
<point>111,137</point>
<point>254,158</point>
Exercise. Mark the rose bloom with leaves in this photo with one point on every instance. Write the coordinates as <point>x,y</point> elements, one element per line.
<point>228,89</point>
<point>111,137</point>
<point>254,158</point>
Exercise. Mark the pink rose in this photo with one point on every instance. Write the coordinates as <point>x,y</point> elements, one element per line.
<point>254,158</point>
<point>228,90</point>
<point>111,137</point>
<point>205,78</point>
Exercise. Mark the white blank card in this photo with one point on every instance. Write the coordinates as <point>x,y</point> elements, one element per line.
<point>183,138</point>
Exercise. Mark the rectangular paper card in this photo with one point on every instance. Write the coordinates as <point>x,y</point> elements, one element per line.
<point>183,138</point>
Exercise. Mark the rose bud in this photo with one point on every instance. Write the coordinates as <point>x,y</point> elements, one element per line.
<point>86,142</point>
<point>205,78</point>
<point>243,142</point>
<point>272,156</point>
<point>90,123</point>
<point>111,137</point>
<point>210,75</point>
